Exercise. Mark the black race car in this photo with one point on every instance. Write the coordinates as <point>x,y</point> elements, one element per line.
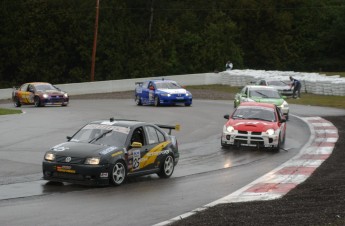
<point>109,151</point>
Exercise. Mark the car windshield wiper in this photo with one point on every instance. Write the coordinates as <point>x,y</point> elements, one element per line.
<point>262,119</point>
<point>237,117</point>
<point>100,136</point>
<point>262,94</point>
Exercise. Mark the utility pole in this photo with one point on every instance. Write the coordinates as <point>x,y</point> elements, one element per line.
<point>94,44</point>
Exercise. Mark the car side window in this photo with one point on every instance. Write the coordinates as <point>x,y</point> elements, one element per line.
<point>161,137</point>
<point>153,135</point>
<point>146,85</point>
<point>24,87</point>
<point>279,113</point>
<point>30,88</point>
<point>138,136</point>
<point>151,86</point>
<point>245,91</point>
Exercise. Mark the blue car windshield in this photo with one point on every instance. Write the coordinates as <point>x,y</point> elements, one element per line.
<point>167,85</point>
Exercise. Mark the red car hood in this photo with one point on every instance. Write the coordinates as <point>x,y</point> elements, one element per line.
<point>251,125</point>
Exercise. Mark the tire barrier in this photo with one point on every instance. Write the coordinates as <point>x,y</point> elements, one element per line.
<point>311,82</point>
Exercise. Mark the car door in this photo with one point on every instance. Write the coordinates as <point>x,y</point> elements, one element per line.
<point>157,146</point>
<point>24,94</point>
<point>281,124</point>
<point>140,158</point>
<point>145,92</point>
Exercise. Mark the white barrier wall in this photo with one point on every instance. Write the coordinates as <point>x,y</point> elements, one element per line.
<point>311,82</point>
<point>126,84</point>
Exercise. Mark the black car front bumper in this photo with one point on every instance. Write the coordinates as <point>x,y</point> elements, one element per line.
<point>76,174</point>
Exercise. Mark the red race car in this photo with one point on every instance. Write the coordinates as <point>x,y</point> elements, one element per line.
<point>255,125</point>
<point>39,94</point>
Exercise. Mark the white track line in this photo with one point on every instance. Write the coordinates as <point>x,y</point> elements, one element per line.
<point>284,178</point>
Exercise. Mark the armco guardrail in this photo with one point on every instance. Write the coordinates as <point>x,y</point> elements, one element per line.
<point>311,82</point>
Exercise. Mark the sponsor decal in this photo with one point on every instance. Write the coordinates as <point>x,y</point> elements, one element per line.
<point>104,174</point>
<point>65,169</point>
<point>105,126</point>
<point>107,150</point>
<point>136,159</point>
<point>164,152</point>
<point>59,148</point>
<point>117,153</point>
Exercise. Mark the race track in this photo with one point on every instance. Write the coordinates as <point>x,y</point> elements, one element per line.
<point>205,172</point>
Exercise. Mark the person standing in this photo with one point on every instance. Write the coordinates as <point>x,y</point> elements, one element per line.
<point>228,66</point>
<point>296,84</point>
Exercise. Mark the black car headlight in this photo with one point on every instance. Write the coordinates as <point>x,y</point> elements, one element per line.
<point>92,161</point>
<point>49,156</point>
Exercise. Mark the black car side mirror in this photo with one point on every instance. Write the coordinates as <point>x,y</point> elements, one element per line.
<point>68,138</point>
<point>226,116</point>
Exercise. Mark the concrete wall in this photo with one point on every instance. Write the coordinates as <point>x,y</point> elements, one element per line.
<point>126,84</point>
<point>311,82</point>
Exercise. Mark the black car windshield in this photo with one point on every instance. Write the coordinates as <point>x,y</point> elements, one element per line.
<point>44,87</point>
<point>167,85</point>
<point>255,113</point>
<point>109,135</point>
<point>264,93</point>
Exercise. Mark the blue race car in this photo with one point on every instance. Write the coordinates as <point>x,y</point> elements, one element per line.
<point>161,92</point>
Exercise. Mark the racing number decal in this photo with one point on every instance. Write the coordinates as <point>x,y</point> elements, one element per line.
<point>136,159</point>
<point>151,95</point>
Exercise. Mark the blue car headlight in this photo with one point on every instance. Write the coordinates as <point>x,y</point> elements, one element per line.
<point>165,94</point>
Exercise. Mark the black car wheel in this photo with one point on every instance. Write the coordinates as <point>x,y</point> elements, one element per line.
<point>138,100</point>
<point>167,167</point>
<point>16,102</point>
<point>118,173</point>
<point>156,101</point>
<point>37,101</point>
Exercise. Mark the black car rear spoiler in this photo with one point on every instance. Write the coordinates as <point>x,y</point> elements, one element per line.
<point>169,127</point>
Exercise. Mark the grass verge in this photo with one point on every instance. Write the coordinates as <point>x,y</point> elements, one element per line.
<point>4,111</point>
<point>307,98</point>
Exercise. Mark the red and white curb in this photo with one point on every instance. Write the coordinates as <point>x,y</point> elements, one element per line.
<point>284,178</point>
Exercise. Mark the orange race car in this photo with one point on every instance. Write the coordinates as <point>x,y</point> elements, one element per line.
<point>39,94</point>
